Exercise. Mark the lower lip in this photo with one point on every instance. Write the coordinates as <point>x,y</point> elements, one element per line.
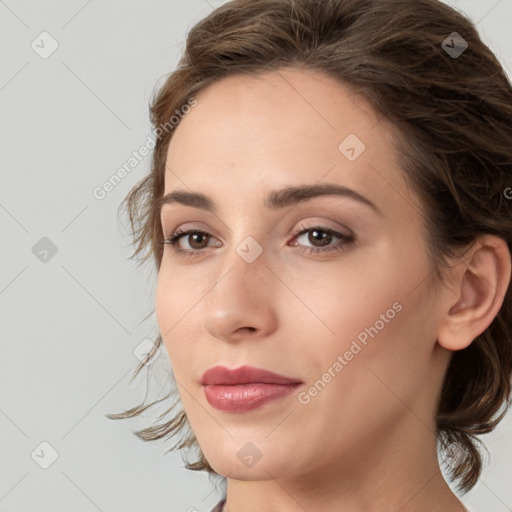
<point>245,397</point>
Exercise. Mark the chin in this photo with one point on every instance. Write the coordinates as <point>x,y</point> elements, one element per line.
<point>247,461</point>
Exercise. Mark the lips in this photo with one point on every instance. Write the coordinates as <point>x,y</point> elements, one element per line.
<point>220,375</point>
<point>246,388</point>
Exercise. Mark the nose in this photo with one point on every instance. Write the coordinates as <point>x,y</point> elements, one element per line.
<point>242,303</point>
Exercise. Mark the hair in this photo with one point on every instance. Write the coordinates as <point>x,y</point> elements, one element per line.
<point>453,122</point>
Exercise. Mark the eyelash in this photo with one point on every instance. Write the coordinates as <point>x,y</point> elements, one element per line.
<point>347,241</point>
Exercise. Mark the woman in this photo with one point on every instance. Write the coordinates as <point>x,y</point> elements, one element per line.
<point>332,232</point>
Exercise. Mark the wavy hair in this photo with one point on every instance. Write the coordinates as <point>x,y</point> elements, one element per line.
<point>453,118</point>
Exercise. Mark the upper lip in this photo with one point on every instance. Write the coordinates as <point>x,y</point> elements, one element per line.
<point>244,375</point>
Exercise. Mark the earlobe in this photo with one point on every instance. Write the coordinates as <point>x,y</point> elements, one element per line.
<point>480,283</point>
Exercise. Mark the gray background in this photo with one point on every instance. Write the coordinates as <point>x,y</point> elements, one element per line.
<point>70,324</point>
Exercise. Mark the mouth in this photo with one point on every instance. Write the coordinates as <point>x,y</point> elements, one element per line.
<point>245,388</point>
<point>220,375</point>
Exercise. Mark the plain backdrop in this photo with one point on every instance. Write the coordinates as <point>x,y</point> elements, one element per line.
<point>75,82</point>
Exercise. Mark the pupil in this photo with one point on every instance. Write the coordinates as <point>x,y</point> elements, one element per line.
<point>195,235</point>
<point>323,239</point>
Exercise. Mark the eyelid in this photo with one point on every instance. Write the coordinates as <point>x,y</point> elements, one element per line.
<point>314,222</point>
<point>193,225</point>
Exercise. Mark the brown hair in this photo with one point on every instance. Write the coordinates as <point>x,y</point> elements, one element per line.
<point>453,116</point>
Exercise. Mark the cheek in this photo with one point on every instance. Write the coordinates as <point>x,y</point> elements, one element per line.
<point>178,291</point>
<point>174,300</point>
<point>346,297</point>
<point>375,302</point>
<point>386,338</point>
<point>164,303</point>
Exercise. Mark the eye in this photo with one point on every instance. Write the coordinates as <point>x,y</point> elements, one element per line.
<point>323,236</point>
<point>196,240</point>
<point>318,235</point>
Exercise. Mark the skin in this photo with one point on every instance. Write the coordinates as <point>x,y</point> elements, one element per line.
<point>366,441</point>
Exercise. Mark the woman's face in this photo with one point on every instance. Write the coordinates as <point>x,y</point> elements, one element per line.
<point>350,315</point>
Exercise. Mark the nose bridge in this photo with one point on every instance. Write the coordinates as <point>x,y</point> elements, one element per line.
<point>246,240</point>
<point>242,295</point>
<point>243,273</point>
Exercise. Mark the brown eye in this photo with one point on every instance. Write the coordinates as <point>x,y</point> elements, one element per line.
<point>320,239</point>
<point>197,239</point>
<point>319,235</point>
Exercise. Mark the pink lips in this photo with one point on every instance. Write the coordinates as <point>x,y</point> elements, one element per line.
<point>244,388</point>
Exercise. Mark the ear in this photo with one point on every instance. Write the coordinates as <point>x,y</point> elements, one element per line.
<point>479,284</point>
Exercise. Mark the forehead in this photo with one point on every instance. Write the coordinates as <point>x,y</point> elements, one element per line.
<point>275,129</point>
<point>278,105</point>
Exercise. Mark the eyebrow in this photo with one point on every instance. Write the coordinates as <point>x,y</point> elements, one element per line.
<point>275,200</point>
